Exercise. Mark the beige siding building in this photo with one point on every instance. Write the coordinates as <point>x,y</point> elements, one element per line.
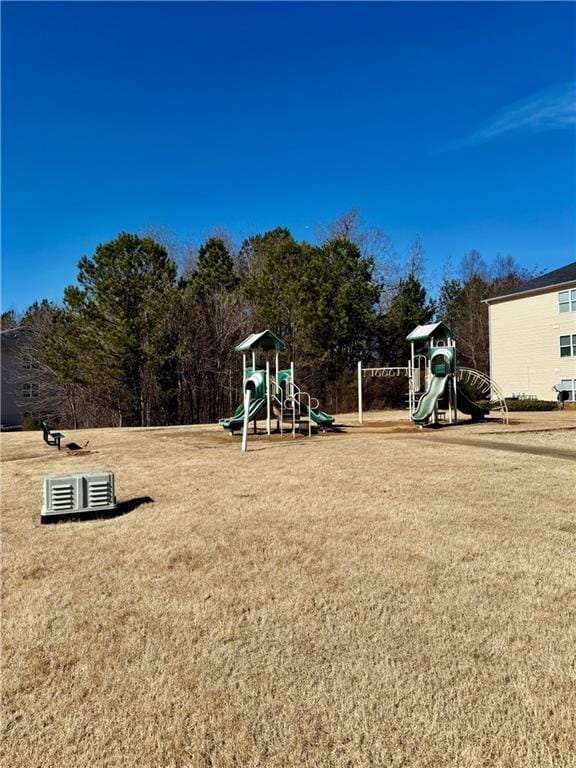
<point>533,337</point>
<point>19,389</point>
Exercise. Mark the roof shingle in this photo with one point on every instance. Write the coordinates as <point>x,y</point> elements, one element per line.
<point>566,274</point>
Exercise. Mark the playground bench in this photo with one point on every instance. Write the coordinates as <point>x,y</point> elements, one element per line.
<point>51,438</point>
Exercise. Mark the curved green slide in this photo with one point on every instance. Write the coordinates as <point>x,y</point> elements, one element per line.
<point>465,405</point>
<point>237,421</point>
<point>320,418</point>
<point>434,393</point>
<point>429,399</point>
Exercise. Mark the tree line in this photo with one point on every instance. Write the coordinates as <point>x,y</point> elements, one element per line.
<point>138,342</point>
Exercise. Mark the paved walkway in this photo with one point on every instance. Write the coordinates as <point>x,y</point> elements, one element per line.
<point>556,453</point>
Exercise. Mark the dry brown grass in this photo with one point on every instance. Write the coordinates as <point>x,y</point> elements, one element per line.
<point>364,599</point>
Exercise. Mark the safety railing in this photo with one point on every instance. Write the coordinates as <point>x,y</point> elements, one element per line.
<point>296,400</point>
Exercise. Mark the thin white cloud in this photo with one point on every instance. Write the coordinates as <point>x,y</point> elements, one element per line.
<point>553,107</point>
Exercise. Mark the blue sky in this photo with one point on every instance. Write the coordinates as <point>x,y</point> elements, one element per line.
<point>452,121</point>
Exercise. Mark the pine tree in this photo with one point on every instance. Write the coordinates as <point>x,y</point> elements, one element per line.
<point>8,320</point>
<point>214,270</point>
<point>119,308</point>
<point>276,263</point>
<point>449,309</point>
<point>408,309</point>
<point>338,294</point>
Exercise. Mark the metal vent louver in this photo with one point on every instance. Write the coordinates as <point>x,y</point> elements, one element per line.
<point>78,493</point>
<point>98,494</point>
<point>62,497</point>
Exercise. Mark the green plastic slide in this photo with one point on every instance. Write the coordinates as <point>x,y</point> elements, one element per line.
<point>429,399</point>
<point>237,421</point>
<point>320,418</point>
<point>465,405</point>
<point>434,393</point>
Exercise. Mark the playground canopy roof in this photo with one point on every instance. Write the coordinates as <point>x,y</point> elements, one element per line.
<point>432,330</point>
<point>265,341</point>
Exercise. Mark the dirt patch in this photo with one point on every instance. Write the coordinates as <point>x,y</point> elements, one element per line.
<point>381,426</point>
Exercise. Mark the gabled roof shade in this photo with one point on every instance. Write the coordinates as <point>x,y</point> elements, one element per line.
<point>554,279</point>
<point>424,332</point>
<point>265,341</point>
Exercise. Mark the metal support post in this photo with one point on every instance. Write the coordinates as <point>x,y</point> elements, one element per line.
<point>268,414</point>
<point>293,400</point>
<point>360,417</point>
<point>412,385</point>
<point>246,421</point>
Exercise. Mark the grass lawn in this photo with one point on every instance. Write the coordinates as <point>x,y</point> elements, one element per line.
<point>384,596</point>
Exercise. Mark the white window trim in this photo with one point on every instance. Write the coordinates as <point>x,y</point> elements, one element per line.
<point>570,302</point>
<point>571,346</point>
<point>571,389</point>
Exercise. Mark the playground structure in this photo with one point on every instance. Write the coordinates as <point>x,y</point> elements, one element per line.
<point>435,381</point>
<point>272,391</point>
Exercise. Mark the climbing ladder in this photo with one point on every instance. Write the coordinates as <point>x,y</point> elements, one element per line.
<point>295,408</point>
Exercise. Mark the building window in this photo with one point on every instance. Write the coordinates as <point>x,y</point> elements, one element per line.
<point>28,362</point>
<point>568,386</point>
<point>568,346</point>
<point>567,301</point>
<point>29,390</point>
